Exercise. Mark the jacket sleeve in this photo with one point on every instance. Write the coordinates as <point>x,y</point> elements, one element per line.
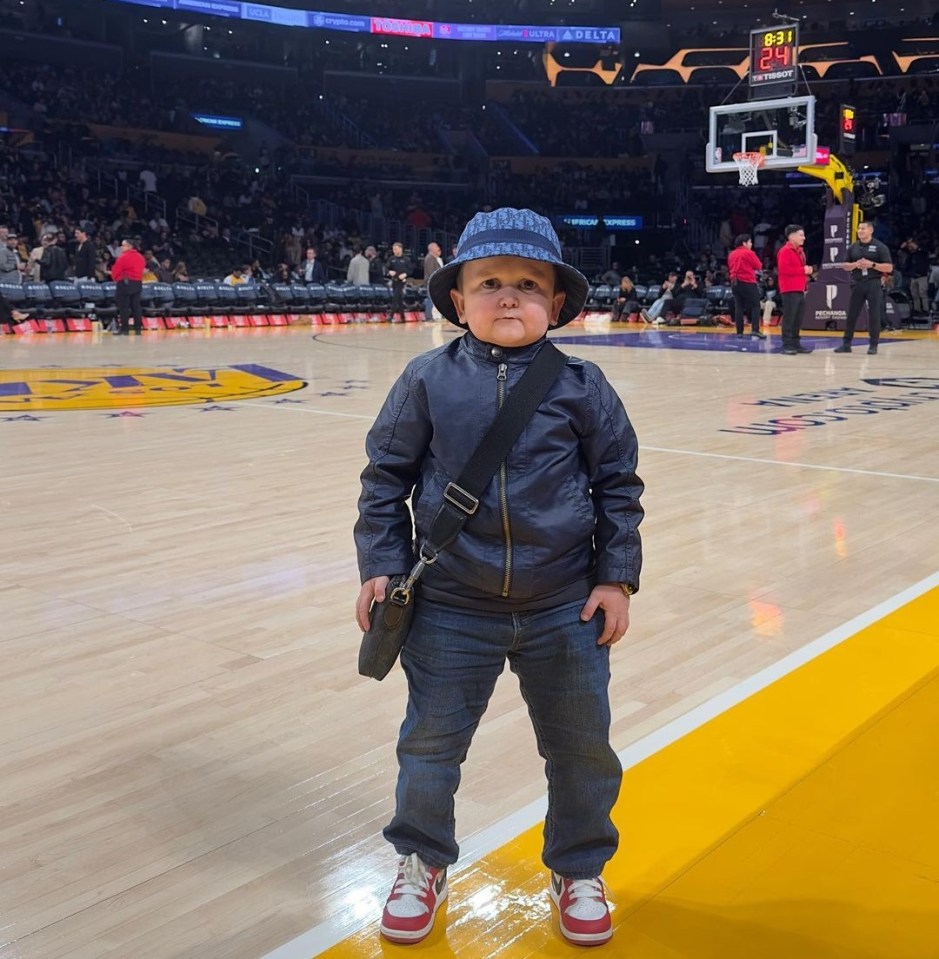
<point>396,446</point>
<point>612,451</point>
<point>789,266</point>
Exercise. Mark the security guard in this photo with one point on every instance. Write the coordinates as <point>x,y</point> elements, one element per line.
<point>868,259</point>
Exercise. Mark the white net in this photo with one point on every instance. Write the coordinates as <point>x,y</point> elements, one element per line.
<point>748,166</point>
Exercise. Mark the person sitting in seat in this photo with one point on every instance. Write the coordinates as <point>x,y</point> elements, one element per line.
<point>625,302</point>
<point>653,314</point>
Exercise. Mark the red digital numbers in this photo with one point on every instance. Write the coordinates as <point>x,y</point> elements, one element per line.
<point>774,58</point>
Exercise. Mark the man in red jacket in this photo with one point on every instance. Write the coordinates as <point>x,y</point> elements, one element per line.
<point>127,273</point>
<point>743,265</point>
<point>792,274</point>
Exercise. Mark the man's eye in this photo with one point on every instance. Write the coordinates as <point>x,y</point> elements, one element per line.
<point>528,285</point>
<point>490,284</point>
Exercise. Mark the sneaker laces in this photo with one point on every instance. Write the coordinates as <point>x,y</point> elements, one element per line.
<point>587,899</point>
<point>413,879</point>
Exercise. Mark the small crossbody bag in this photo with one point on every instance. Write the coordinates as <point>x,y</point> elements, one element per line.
<point>390,620</point>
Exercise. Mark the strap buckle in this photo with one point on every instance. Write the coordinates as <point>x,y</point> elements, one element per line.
<point>461,499</point>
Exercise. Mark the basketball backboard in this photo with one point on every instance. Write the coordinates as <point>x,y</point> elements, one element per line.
<point>783,130</point>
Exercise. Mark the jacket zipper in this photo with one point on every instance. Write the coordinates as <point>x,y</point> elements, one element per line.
<point>504,493</point>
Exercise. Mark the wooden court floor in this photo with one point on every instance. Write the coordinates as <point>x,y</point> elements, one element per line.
<point>192,766</point>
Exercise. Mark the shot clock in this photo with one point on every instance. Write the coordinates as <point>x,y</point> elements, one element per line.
<point>774,61</point>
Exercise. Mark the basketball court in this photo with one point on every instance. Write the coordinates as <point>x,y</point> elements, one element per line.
<point>192,766</point>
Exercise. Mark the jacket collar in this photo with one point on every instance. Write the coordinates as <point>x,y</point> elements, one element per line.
<point>500,354</point>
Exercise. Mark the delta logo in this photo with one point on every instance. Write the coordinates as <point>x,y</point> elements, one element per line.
<point>96,388</point>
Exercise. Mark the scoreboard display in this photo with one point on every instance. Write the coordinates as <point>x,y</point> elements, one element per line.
<point>847,130</point>
<point>774,61</point>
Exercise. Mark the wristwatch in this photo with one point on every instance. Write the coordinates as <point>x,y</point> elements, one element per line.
<point>627,588</point>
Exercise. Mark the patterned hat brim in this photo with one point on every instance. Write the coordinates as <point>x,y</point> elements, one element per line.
<point>573,282</point>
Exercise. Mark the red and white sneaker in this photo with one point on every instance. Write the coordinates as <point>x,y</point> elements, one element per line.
<point>582,907</point>
<point>415,898</point>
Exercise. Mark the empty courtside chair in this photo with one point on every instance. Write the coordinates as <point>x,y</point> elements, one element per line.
<point>694,311</point>
<point>603,296</point>
<point>246,295</point>
<point>66,297</point>
<point>227,299</point>
<point>300,296</point>
<point>185,299</point>
<point>282,296</point>
<point>717,298</point>
<point>39,300</point>
<point>207,302</point>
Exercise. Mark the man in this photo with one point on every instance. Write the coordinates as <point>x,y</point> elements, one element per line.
<point>793,274</point>
<point>127,273</point>
<point>376,269</point>
<point>397,270</point>
<point>53,263</point>
<point>357,273</point>
<point>311,270</point>
<point>238,276</point>
<point>868,260</point>
<point>742,266</point>
<point>86,256</point>
<point>9,258</point>
<point>917,268</point>
<point>432,262</point>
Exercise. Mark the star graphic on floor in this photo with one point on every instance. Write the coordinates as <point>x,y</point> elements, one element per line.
<point>123,413</point>
<point>23,416</point>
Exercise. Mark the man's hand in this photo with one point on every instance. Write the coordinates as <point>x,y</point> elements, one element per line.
<point>372,590</point>
<point>615,605</point>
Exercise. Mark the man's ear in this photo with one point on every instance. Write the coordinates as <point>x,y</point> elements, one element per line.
<point>458,301</point>
<point>556,305</point>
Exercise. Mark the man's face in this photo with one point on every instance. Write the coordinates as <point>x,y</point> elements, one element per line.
<point>435,249</point>
<point>397,249</point>
<point>865,232</point>
<point>797,238</point>
<point>311,254</point>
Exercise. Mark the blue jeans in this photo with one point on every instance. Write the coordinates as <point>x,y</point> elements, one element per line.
<point>452,660</point>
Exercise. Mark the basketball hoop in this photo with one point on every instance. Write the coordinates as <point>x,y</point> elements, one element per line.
<point>748,166</point>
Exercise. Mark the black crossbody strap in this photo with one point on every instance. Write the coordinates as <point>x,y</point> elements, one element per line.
<point>461,497</point>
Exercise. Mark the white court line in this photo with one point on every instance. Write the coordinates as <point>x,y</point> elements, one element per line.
<point>655,449</point>
<point>329,933</point>
<point>807,466</point>
<point>308,409</point>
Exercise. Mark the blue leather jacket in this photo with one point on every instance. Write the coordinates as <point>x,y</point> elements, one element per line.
<point>560,516</point>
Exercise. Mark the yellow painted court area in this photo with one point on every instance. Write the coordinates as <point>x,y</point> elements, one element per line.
<point>802,823</point>
<point>23,391</point>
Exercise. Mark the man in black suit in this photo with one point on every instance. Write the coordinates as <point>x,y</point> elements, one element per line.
<point>86,256</point>
<point>398,269</point>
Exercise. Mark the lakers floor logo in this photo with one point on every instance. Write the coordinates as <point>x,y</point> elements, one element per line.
<point>95,389</point>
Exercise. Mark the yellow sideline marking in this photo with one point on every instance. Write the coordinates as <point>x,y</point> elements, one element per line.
<point>800,824</point>
<point>22,391</point>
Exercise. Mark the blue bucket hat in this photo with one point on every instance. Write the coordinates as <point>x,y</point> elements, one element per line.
<point>509,232</point>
